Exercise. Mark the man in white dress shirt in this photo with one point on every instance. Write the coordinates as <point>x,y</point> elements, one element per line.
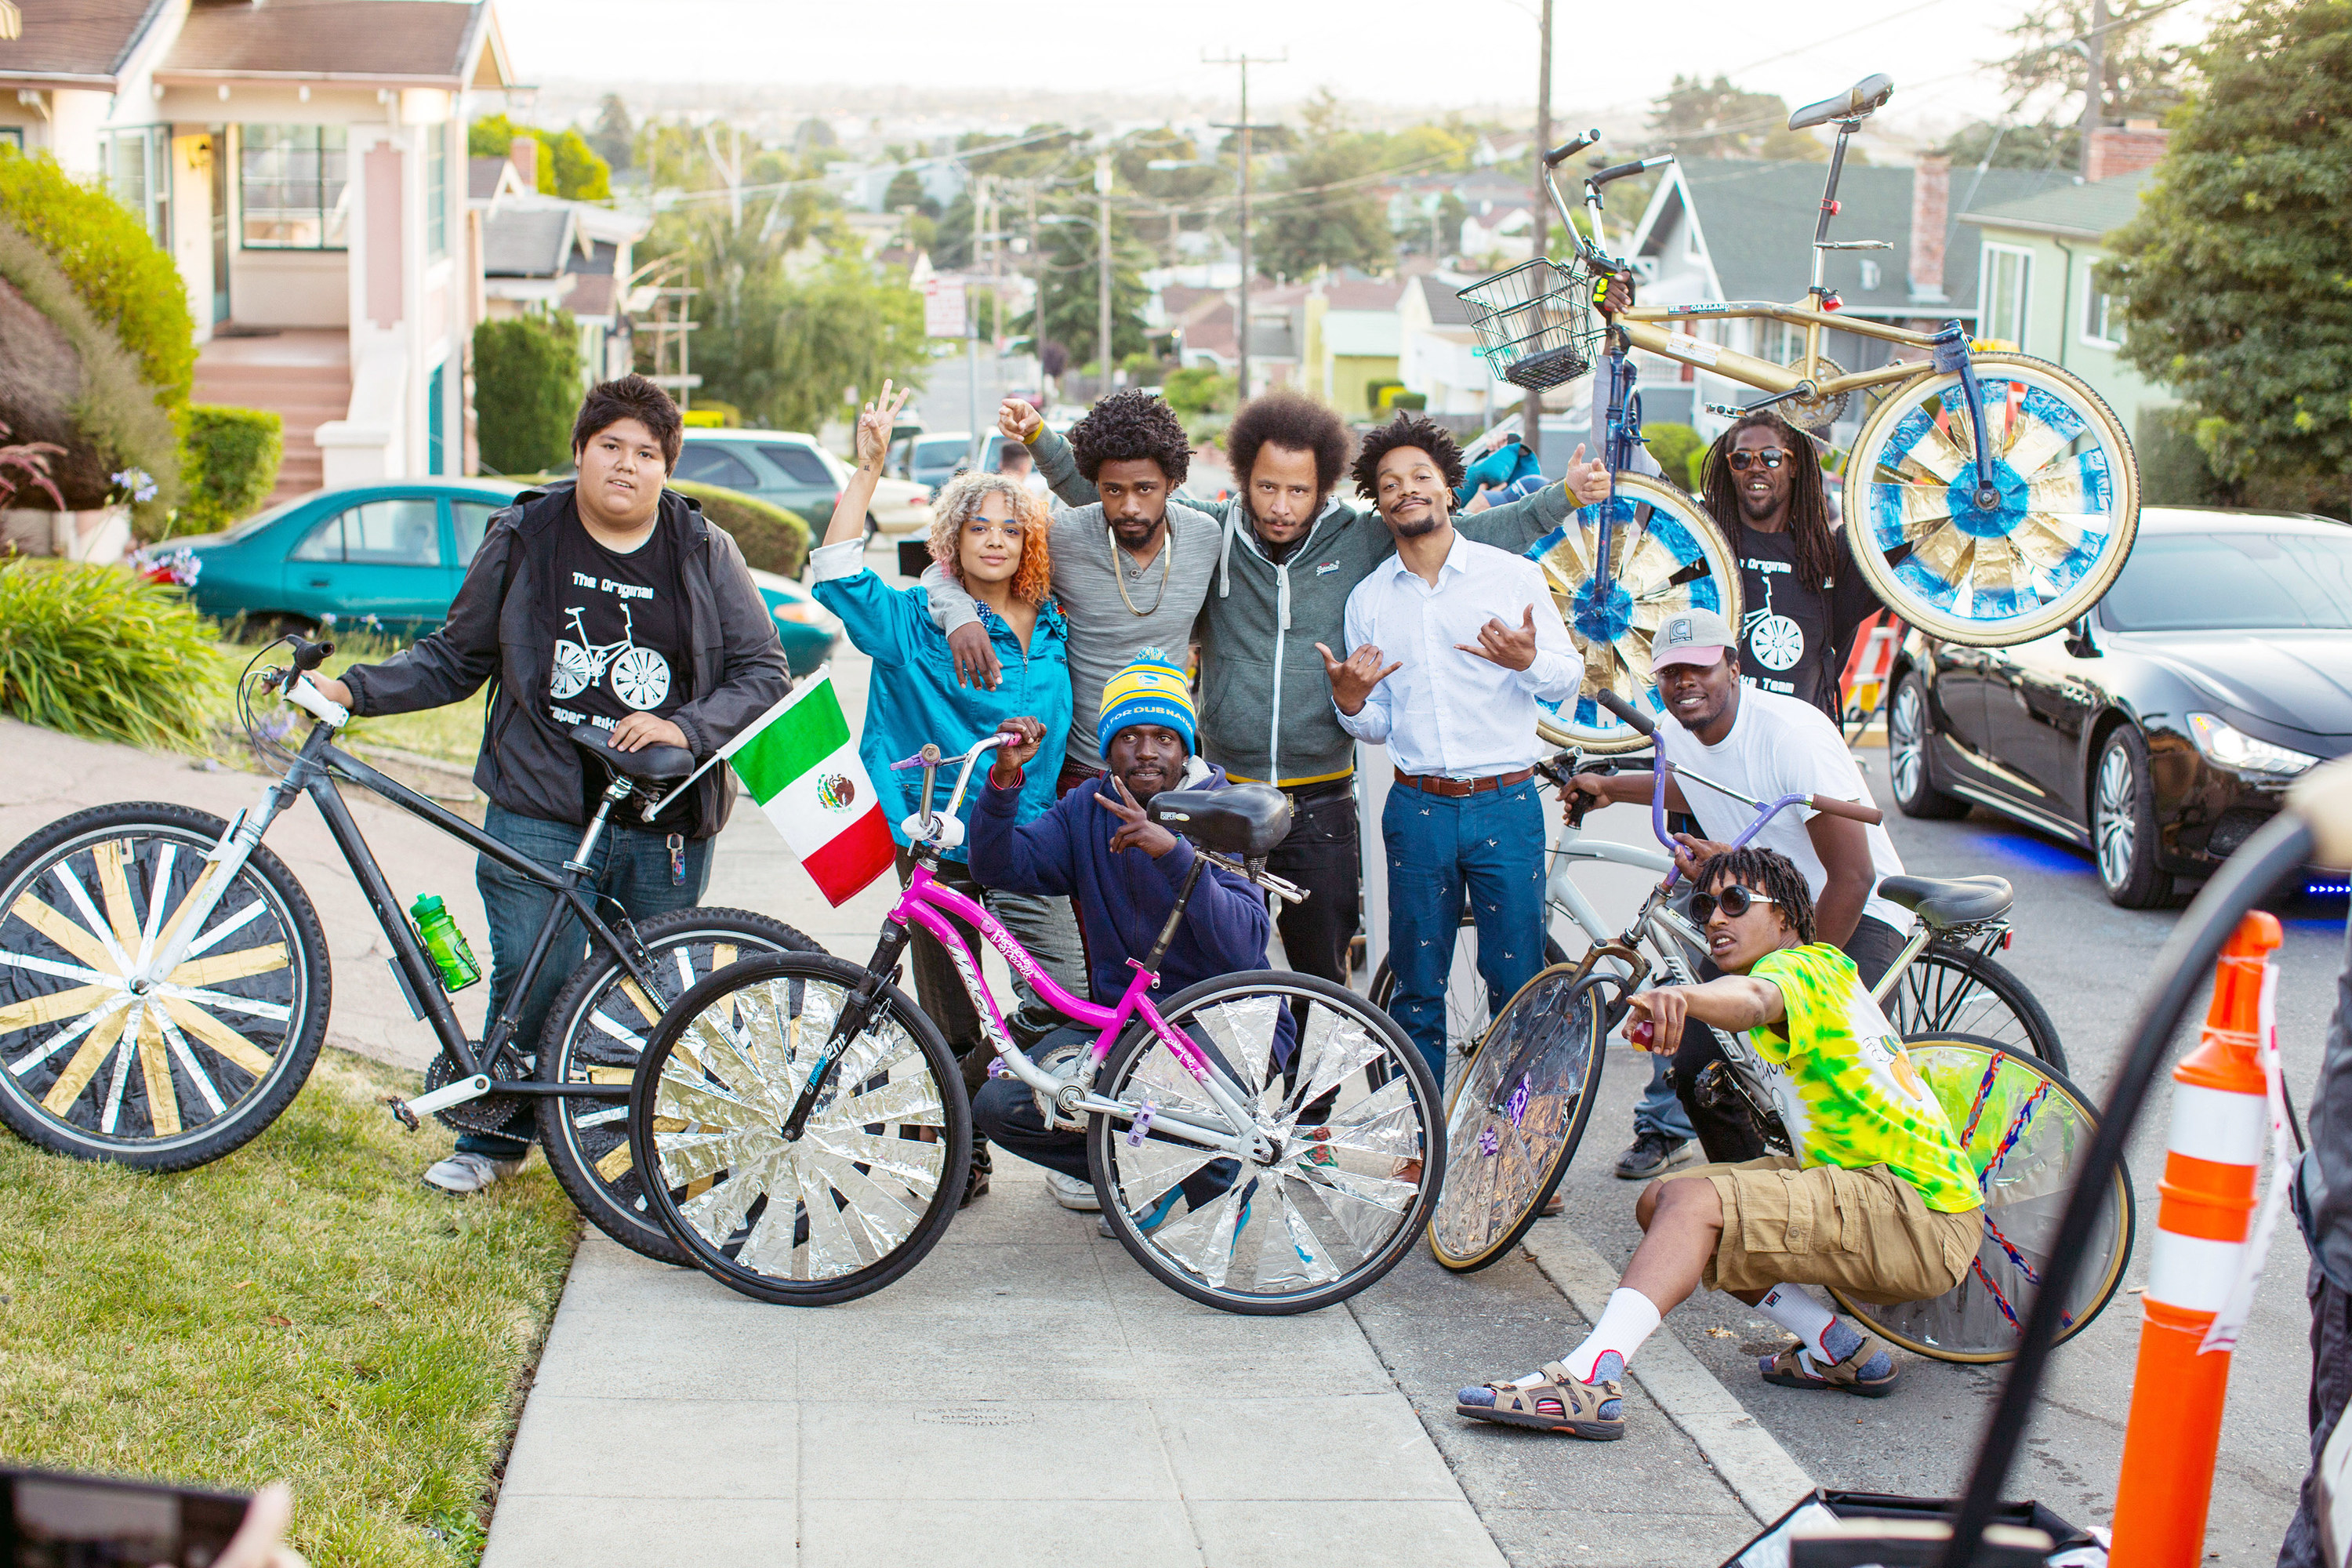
<point>1449,645</point>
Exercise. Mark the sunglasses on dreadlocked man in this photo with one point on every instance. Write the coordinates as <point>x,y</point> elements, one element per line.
<point>1734,901</point>
<point>1746,458</point>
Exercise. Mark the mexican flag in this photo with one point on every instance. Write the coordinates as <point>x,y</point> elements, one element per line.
<point>800,763</point>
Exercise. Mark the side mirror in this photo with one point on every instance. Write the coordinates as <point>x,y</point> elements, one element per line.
<point>2079,641</point>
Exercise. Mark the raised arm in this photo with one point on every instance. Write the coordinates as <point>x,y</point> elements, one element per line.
<point>874,426</point>
<point>1517,525</point>
<point>1021,422</point>
<point>1736,1002</point>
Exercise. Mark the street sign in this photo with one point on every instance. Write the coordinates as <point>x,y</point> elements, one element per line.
<point>943,307</point>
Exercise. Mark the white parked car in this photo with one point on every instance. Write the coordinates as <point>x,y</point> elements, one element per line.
<point>790,469</point>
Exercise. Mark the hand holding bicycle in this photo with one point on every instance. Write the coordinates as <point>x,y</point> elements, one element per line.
<point>1691,850</point>
<point>1136,831</point>
<point>1013,755</point>
<point>1353,680</point>
<point>1588,482</point>
<point>638,730</point>
<point>1513,647</point>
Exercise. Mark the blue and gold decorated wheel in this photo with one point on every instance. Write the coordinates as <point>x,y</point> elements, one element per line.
<point>1664,555</point>
<point>2064,507</point>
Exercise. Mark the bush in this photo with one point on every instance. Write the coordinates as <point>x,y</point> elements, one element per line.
<point>128,281</point>
<point>1672,445</point>
<point>96,651</point>
<point>772,538</point>
<point>2173,466</point>
<point>1198,391</point>
<point>1415,400</point>
<point>526,392</point>
<point>230,464</point>
<point>567,165</point>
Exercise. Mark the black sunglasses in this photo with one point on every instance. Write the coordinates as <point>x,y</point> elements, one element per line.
<point>1747,458</point>
<point>1734,901</point>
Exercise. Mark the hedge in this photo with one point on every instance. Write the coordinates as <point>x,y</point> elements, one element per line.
<point>1672,445</point>
<point>128,281</point>
<point>526,392</point>
<point>96,651</point>
<point>230,458</point>
<point>772,538</point>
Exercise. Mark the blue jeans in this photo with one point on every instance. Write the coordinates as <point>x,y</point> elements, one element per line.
<point>1661,1109</point>
<point>1488,847</point>
<point>630,868</point>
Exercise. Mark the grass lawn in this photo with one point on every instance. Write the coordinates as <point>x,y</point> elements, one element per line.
<point>304,1309</point>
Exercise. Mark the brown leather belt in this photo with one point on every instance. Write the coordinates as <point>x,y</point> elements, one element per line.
<point>1432,784</point>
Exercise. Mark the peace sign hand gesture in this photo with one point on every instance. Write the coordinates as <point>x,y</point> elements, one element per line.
<point>1136,830</point>
<point>876,422</point>
<point>1513,647</point>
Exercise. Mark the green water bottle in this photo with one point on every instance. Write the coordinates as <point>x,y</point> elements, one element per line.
<point>444,941</point>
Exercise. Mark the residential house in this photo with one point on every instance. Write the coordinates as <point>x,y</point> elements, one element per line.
<point>1202,322</point>
<point>304,166</point>
<point>1437,350</point>
<point>1352,340</point>
<point>1719,229</point>
<point>544,253</point>
<point>2039,254</point>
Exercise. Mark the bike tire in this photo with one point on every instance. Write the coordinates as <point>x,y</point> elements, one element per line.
<point>1465,991</point>
<point>693,1125</point>
<point>1954,990</point>
<point>1675,559</point>
<point>596,1030</point>
<point>2041,1113</point>
<point>1357,1195</point>
<point>1511,1143</point>
<point>204,1085</point>
<point>2008,577</point>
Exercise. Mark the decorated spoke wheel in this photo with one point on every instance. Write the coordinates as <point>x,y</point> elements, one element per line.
<point>641,678</point>
<point>1665,556</point>
<point>2017,562</point>
<point>573,673</point>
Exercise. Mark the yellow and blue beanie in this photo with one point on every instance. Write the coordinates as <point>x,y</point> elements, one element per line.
<point>1149,691</point>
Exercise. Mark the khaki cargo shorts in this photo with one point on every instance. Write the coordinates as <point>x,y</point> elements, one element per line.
<point>1865,1232</point>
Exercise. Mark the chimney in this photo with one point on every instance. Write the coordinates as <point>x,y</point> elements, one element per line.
<point>523,153</point>
<point>1931,214</point>
<point>2125,149</point>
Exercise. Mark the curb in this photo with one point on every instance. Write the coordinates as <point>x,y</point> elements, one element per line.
<point>1760,1472</point>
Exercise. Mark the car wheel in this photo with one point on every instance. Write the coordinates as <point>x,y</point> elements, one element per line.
<point>2123,824</point>
<point>1908,732</point>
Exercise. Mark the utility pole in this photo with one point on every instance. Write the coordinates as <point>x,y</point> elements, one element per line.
<point>1539,209</point>
<point>1241,304</point>
<point>2095,94</point>
<point>1102,217</point>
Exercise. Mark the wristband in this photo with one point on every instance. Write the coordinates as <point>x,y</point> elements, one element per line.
<point>1019,777</point>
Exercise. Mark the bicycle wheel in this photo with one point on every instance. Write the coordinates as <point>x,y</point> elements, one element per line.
<point>1954,990</point>
<point>1352,1117</point>
<point>871,1183</point>
<point>596,1030</point>
<point>1517,1113</point>
<point>2025,1129</point>
<point>2069,502</point>
<point>573,671</point>
<point>640,678</point>
<point>1467,1004</point>
<point>104,1064</point>
<point>1665,555</point>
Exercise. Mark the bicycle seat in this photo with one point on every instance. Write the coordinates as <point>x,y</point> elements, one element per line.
<point>1247,820</point>
<point>1853,103</point>
<point>1943,901</point>
<point>653,764</point>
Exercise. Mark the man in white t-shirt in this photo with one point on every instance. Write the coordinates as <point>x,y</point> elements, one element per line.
<point>1766,745</point>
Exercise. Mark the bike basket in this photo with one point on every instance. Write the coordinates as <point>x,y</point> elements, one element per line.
<point>1535,322</point>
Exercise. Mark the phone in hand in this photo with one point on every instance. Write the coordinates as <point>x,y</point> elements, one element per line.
<point>52,1520</point>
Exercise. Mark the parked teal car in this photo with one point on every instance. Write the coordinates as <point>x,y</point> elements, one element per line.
<point>397,552</point>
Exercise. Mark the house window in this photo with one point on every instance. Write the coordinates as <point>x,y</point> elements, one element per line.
<point>12,136</point>
<point>2006,279</point>
<point>2102,318</point>
<point>1779,341</point>
<point>436,193</point>
<point>293,189</point>
<point>1869,275</point>
<point>137,165</point>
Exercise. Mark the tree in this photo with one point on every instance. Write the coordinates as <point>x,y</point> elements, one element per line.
<point>1070,288</point>
<point>907,191</point>
<point>127,280</point>
<point>567,165</point>
<point>1324,212</point>
<point>1717,119</point>
<point>2143,78</point>
<point>526,389</point>
<point>813,138</point>
<point>2235,269</point>
<point>614,139</point>
<point>2046,145</point>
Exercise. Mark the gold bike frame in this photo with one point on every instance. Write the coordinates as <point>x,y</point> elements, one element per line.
<point>1638,328</point>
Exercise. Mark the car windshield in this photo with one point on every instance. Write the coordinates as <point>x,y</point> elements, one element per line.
<point>262,520</point>
<point>2232,581</point>
<point>941,453</point>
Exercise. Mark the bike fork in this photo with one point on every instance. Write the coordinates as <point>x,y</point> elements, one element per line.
<point>854,1013</point>
<point>1952,354</point>
<point>226,859</point>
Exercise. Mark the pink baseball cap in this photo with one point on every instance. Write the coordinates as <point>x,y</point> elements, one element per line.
<point>1690,637</point>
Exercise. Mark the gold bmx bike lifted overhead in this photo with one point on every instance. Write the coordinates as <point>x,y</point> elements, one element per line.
<point>1990,497</point>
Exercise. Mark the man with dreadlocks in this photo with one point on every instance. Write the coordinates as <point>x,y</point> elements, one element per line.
<point>1879,1199</point>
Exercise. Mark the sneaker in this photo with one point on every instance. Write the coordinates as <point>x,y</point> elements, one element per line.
<point>462,1174</point>
<point>1072,1194</point>
<point>1651,1153</point>
<point>1152,1219</point>
<point>981,1169</point>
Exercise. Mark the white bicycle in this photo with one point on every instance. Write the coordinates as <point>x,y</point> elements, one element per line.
<point>640,676</point>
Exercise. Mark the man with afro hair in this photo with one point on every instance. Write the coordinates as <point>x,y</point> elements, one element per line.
<point>1451,646</point>
<point>1291,552</point>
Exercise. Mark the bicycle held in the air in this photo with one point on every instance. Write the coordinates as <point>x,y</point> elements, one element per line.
<point>1520,1103</point>
<point>1989,497</point>
<point>1263,1142</point>
<point>165,983</point>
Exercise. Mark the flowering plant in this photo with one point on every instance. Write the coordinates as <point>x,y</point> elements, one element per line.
<point>171,568</point>
<point>133,485</point>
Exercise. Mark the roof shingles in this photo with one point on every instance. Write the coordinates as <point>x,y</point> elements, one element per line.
<point>424,41</point>
<point>81,41</point>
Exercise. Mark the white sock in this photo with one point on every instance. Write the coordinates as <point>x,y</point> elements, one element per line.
<point>1802,1316</point>
<point>1630,1319</point>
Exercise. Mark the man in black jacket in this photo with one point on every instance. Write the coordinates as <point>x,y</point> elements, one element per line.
<point>609,601</point>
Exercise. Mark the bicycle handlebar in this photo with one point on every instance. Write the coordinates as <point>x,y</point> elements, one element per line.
<point>1853,811</point>
<point>1641,722</point>
<point>310,656</point>
<point>1569,149</point>
<point>1622,170</point>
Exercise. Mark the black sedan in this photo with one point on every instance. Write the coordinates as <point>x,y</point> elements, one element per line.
<point>2162,728</point>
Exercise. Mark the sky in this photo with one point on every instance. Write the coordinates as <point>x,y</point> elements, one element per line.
<point>1464,53</point>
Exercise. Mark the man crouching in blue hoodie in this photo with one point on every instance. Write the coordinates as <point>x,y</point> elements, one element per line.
<point>1096,845</point>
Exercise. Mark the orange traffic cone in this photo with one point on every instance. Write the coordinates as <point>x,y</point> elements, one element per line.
<point>2220,1125</point>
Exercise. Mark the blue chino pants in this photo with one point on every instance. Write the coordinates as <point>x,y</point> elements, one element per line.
<point>1486,847</point>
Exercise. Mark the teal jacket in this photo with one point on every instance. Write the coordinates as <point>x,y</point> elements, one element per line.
<point>912,697</point>
<point>1266,710</point>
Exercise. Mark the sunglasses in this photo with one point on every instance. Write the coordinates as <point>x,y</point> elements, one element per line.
<point>1747,458</point>
<point>1734,901</point>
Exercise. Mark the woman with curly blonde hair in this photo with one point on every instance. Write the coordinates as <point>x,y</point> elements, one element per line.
<point>989,534</point>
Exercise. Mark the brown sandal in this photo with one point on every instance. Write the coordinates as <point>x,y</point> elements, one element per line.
<point>1788,1372</point>
<point>1559,1403</point>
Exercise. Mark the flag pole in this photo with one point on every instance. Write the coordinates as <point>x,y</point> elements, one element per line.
<point>648,812</point>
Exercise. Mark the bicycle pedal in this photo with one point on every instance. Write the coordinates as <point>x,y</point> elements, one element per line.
<point>401,1113</point>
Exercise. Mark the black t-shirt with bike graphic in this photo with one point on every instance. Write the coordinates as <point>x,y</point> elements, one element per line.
<point>1795,635</point>
<point>620,636</point>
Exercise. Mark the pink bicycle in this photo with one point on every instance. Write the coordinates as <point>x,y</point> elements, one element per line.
<point>1266,1142</point>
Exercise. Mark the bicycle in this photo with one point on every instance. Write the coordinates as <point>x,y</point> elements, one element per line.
<point>810,1134</point>
<point>1990,496</point>
<point>1520,1104</point>
<point>640,676</point>
<point>187,971</point>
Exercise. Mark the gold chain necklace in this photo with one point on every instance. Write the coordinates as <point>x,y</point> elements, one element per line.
<point>1119,574</point>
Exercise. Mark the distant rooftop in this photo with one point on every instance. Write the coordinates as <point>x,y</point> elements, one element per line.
<point>2085,211</point>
